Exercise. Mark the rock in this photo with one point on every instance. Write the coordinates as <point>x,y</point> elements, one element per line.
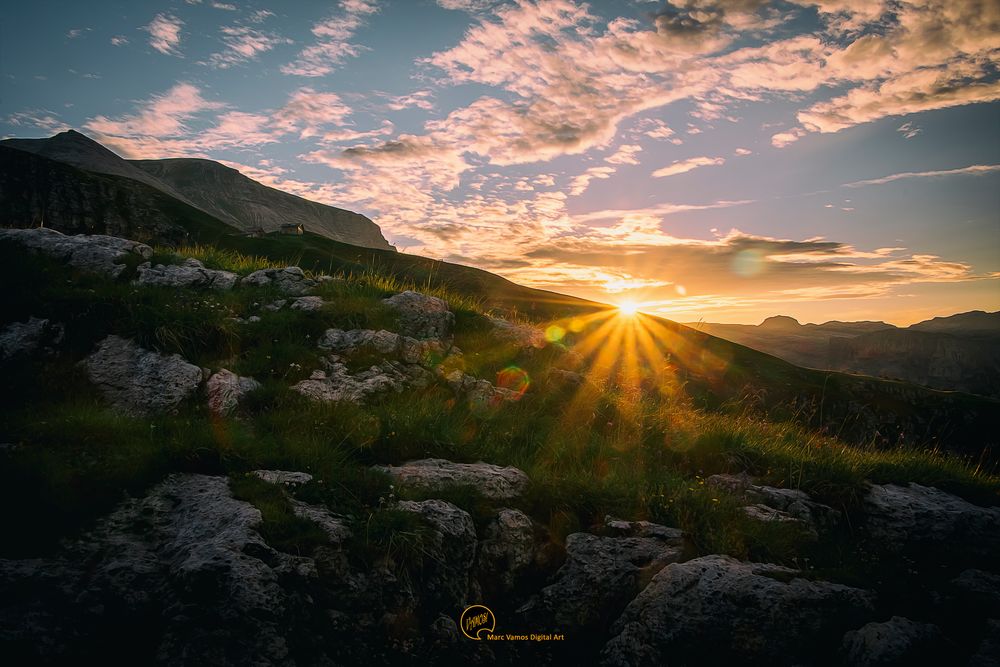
<point>898,641</point>
<point>105,255</point>
<point>506,550</point>
<point>23,339</point>
<point>290,280</point>
<point>718,610</point>
<point>422,316</point>
<point>978,592</point>
<point>988,653</point>
<point>283,477</point>
<point>138,381</point>
<point>275,306</point>
<point>770,503</point>
<point>308,303</point>
<point>186,558</point>
<point>522,335</point>
<point>766,514</point>
<point>564,378</point>
<point>389,345</point>
<point>336,383</point>
<point>226,390</point>
<point>431,475</point>
<point>449,554</point>
<point>481,394</point>
<point>601,576</point>
<point>192,273</point>
<point>915,518</point>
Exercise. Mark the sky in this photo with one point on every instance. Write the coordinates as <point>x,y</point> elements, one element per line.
<point>715,160</point>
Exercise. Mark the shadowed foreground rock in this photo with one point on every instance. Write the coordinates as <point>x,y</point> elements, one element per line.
<point>492,481</point>
<point>138,381</point>
<point>718,610</point>
<point>106,255</point>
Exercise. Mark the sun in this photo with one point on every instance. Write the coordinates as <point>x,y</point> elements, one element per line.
<point>628,308</point>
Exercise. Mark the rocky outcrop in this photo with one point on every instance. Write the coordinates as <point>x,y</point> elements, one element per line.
<point>184,567</point>
<point>25,339</point>
<point>481,394</point>
<point>139,381</point>
<point>386,344</point>
<point>774,504</point>
<point>226,389</point>
<point>290,280</point>
<point>283,477</point>
<point>898,641</point>
<point>309,304</point>
<point>718,610</point>
<point>432,475</point>
<point>448,554</point>
<point>524,336</point>
<point>602,574</point>
<point>421,316</point>
<point>335,382</point>
<point>190,273</point>
<point>915,518</point>
<point>107,255</point>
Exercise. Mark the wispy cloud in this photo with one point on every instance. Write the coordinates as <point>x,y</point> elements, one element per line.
<point>909,130</point>
<point>165,34</point>
<point>332,45</point>
<point>690,164</point>
<point>975,170</point>
<point>244,44</point>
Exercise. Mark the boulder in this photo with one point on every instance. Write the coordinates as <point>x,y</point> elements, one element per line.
<point>187,559</point>
<point>226,389</point>
<point>24,339</point>
<point>898,641</point>
<point>138,381</point>
<point>601,575</point>
<point>718,610</point>
<point>191,273</point>
<point>275,306</point>
<point>290,280</point>
<point>307,303</point>
<point>481,394</point>
<point>978,592</point>
<point>915,518</point>
<point>449,553</point>
<point>770,503</point>
<point>432,475</point>
<point>506,550</point>
<point>107,255</point>
<point>422,316</point>
<point>389,345</point>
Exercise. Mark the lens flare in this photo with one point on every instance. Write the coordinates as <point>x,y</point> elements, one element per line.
<point>515,379</point>
<point>628,308</point>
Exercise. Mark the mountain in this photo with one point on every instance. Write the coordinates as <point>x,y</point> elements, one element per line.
<point>234,200</point>
<point>960,352</point>
<point>247,205</point>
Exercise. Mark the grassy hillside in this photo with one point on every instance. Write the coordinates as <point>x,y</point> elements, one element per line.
<point>633,440</point>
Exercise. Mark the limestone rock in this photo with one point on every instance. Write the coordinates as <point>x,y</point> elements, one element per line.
<point>897,642</point>
<point>106,255</point>
<point>978,591</point>
<point>139,381</point>
<point>492,481</point>
<point>307,303</point>
<point>770,503</point>
<point>601,575</point>
<point>191,273</point>
<point>226,390</point>
<point>449,555</point>
<point>283,477</point>
<point>481,394</point>
<point>507,549</point>
<point>337,383</point>
<point>389,345</point>
<point>916,517</point>
<point>718,610</point>
<point>290,280</point>
<point>23,339</point>
<point>422,316</point>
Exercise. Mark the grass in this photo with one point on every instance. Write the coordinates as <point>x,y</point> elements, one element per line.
<point>604,449</point>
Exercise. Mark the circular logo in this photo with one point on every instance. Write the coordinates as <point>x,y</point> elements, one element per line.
<point>475,620</point>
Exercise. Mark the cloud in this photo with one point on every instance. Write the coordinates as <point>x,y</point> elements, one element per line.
<point>740,152</point>
<point>909,130</point>
<point>974,170</point>
<point>684,166</point>
<point>77,32</point>
<point>165,34</point>
<point>626,154</point>
<point>580,183</point>
<point>332,46</point>
<point>243,44</point>
<point>782,139</point>
<point>119,40</point>
<point>42,119</point>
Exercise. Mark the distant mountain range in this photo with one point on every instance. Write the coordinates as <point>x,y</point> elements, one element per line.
<point>960,352</point>
<point>153,200</point>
